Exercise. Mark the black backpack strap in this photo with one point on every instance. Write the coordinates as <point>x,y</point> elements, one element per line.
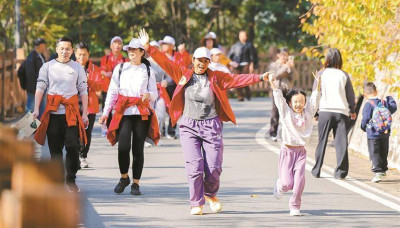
<point>120,70</point>
<point>147,63</point>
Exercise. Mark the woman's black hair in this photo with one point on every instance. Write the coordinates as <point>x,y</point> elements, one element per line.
<point>215,43</point>
<point>333,59</point>
<point>288,94</point>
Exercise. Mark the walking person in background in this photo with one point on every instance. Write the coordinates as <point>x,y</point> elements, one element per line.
<point>337,103</point>
<point>62,123</point>
<point>297,118</point>
<point>245,59</point>
<point>210,41</point>
<point>132,89</point>
<point>107,65</point>
<point>33,63</point>
<point>163,101</point>
<point>200,103</point>
<point>180,57</point>
<point>285,74</point>
<point>95,83</point>
<point>376,121</point>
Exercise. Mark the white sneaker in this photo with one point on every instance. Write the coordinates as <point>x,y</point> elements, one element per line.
<point>215,205</point>
<point>84,164</point>
<point>377,177</point>
<point>196,210</point>
<point>277,192</point>
<point>295,212</point>
<point>146,144</point>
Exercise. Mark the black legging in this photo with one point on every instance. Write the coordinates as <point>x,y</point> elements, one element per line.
<point>132,127</point>
<point>83,153</point>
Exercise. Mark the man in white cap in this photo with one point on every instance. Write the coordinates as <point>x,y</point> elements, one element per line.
<point>181,58</point>
<point>201,104</point>
<point>107,64</point>
<point>215,65</point>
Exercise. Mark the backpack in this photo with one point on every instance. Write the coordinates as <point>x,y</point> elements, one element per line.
<point>22,75</point>
<point>381,117</point>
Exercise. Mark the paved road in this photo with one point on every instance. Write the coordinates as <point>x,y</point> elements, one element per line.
<point>250,170</point>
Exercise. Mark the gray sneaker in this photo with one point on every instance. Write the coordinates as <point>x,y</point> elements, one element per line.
<point>377,178</point>
<point>84,163</point>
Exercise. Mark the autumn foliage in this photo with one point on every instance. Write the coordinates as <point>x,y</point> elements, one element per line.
<point>367,32</point>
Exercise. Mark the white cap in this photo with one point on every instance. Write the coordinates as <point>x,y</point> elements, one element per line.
<point>154,43</point>
<point>134,43</point>
<point>210,35</point>
<point>168,40</point>
<point>115,38</point>
<point>202,52</point>
<point>215,51</point>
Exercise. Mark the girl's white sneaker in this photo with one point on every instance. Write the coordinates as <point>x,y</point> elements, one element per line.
<point>295,212</point>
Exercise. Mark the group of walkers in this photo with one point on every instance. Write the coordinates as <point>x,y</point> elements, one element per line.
<point>156,81</point>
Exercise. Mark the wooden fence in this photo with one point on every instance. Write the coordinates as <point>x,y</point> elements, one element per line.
<point>32,193</point>
<point>303,67</point>
<point>12,96</point>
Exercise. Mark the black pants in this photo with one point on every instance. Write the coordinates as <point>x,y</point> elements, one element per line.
<point>273,130</point>
<point>132,133</point>
<point>103,101</point>
<point>60,135</point>
<point>171,130</point>
<point>83,153</point>
<point>243,91</point>
<point>378,152</point>
<point>339,123</point>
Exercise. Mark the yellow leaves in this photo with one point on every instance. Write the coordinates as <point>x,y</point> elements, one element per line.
<point>365,31</point>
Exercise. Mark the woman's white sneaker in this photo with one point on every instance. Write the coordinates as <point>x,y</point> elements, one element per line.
<point>196,210</point>
<point>215,205</point>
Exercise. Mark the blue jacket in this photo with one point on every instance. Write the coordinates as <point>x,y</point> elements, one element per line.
<point>367,116</point>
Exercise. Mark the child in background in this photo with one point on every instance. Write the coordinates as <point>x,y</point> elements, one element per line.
<point>376,119</point>
<point>297,117</point>
<point>216,54</point>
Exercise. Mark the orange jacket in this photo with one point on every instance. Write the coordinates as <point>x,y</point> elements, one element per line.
<point>72,115</point>
<point>107,64</point>
<point>95,84</point>
<point>145,110</point>
<point>219,83</point>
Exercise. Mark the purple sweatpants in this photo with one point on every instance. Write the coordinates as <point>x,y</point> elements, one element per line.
<point>291,169</point>
<point>202,146</point>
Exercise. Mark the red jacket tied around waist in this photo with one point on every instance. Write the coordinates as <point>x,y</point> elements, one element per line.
<point>145,110</point>
<point>72,116</point>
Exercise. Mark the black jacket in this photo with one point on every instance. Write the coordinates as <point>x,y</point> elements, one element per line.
<point>243,53</point>
<point>32,66</point>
